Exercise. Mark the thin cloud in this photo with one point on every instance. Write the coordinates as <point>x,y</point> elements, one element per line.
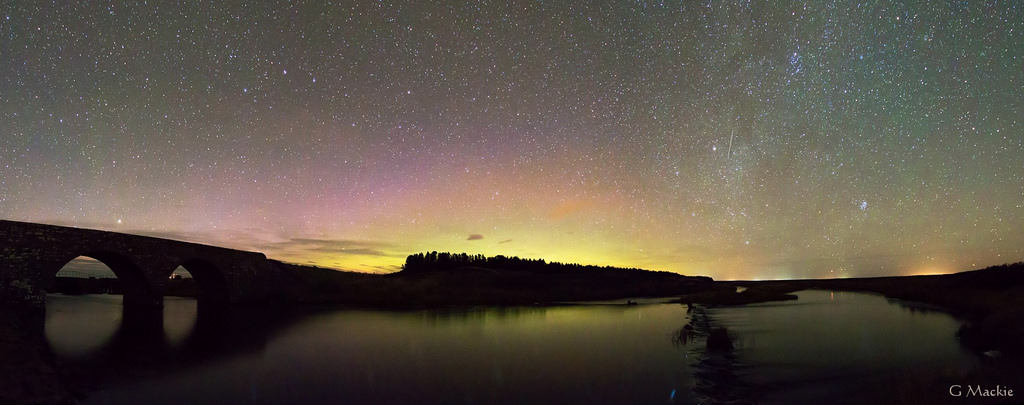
<point>475,236</point>
<point>505,241</point>
<point>382,269</point>
<point>342,246</point>
<point>250,239</point>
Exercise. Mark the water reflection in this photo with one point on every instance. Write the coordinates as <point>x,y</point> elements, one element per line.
<point>92,327</point>
<point>76,331</point>
<point>106,342</point>
<point>476,315</point>
<point>569,354</point>
<point>830,345</point>
<point>812,350</point>
<point>572,354</point>
<point>179,318</point>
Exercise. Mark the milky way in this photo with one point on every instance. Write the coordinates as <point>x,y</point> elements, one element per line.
<point>736,139</point>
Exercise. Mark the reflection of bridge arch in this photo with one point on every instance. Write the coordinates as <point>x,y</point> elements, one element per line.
<point>139,345</point>
<point>32,254</point>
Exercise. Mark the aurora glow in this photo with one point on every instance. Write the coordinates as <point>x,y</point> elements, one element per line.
<point>731,139</point>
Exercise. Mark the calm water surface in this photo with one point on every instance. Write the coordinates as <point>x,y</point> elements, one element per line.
<point>840,347</point>
<point>569,354</point>
<point>816,348</point>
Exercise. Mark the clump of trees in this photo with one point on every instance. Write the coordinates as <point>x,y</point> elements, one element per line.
<point>451,262</point>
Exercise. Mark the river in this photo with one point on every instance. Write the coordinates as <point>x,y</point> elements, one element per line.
<point>821,347</point>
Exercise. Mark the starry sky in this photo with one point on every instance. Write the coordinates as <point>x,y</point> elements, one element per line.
<point>740,140</point>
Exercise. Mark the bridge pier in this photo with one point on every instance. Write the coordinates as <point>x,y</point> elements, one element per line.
<point>141,323</point>
<point>142,302</point>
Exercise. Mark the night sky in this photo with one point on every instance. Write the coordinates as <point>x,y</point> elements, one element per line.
<point>732,139</point>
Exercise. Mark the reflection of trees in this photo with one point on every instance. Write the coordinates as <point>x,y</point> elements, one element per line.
<point>469,315</point>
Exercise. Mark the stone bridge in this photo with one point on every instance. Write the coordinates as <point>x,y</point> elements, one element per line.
<point>31,254</point>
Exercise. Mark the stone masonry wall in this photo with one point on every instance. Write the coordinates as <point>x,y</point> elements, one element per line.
<point>30,255</point>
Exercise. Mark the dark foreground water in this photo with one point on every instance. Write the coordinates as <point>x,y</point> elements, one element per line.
<point>842,347</point>
<point>819,348</point>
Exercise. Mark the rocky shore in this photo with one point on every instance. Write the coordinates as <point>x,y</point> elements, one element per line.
<point>716,369</point>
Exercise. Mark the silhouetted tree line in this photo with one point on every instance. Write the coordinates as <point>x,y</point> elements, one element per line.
<point>449,262</point>
<point>79,285</point>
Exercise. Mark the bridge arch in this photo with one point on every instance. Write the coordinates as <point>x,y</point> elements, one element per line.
<point>31,255</point>
<point>213,286</point>
<point>136,287</point>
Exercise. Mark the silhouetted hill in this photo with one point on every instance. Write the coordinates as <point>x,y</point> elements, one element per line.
<point>995,278</point>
